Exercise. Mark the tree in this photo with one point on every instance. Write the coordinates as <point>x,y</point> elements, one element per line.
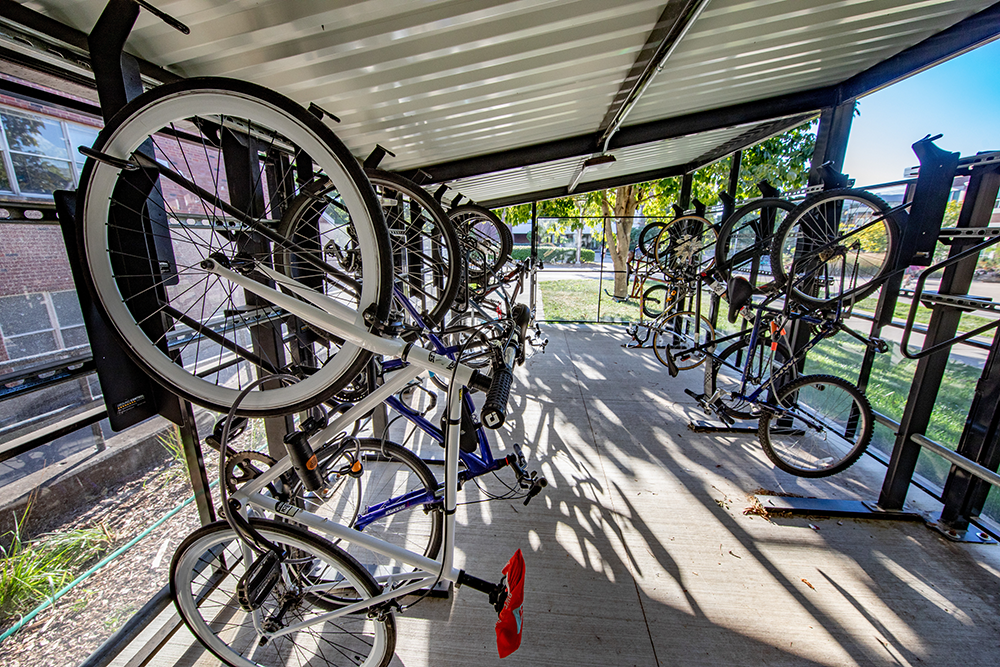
<point>783,160</point>
<point>619,208</point>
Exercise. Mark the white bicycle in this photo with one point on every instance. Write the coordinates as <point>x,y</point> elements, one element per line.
<point>180,201</point>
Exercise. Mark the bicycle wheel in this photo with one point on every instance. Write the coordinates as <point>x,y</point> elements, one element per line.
<point>835,245</point>
<point>226,153</point>
<point>425,247</point>
<point>724,376</point>
<point>824,426</point>
<point>487,240</point>
<point>687,339</point>
<point>658,299</point>
<point>388,471</point>
<point>208,566</point>
<point>685,246</point>
<point>647,237</point>
<point>744,244</point>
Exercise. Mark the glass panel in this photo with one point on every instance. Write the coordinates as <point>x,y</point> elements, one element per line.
<point>41,176</point>
<point>30,345</point>
<point>80,136</point>
<point>74,336</point>
<point>4,180</point>
<point>24,313</point>
<point>992,508</point>
<point>67,308</point>
<point>35,135</point>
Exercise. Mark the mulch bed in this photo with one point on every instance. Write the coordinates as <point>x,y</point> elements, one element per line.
<point>83,619</point>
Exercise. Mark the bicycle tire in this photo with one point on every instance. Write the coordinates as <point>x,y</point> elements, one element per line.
<point>685,247</point>
<point>677,332</point>
<point>824,226</point>
<point>725,373</point>
<point>207,567</point>
<point>488,241</point>
<point>388,470</point>
<point>746,236</point>
<point>193,330</point>
<point>425,246</point>
<point>658,299</point>
<point>794,442</point>
<point>647,236</point>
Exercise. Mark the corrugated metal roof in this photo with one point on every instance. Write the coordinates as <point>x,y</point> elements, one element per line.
<point>559,173</point>
<point>743,50</point>
<point>438,81</point>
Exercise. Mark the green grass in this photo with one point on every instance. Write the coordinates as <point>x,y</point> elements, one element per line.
<point>969,320</point>
<point>888,390</point>
<point>576,300</point>
<point>31,571</point>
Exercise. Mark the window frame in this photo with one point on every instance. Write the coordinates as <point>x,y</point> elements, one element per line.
<point>55,329</point>
<point>7,152</point>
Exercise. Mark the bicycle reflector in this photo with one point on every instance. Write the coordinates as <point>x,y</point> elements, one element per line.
<point>509,625</point>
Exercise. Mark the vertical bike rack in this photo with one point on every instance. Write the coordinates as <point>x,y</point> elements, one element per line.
<point>978,453</point>
<point>977,458</point>
<point>130,395</point>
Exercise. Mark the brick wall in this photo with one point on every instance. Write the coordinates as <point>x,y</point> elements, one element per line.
<point>33,259</point>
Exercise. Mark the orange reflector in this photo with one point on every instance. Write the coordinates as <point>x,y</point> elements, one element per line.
<point>312,463</point>
<point>356,467</point>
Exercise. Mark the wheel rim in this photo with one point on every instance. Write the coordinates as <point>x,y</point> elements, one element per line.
<point>833,250</point>
<point>172,112</point>
<point>231,635</point>
<point>824,428</point>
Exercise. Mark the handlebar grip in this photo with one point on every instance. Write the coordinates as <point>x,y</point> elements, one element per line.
<point>495,409</point>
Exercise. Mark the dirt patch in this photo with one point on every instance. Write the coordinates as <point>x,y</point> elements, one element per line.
<point>80,621</point>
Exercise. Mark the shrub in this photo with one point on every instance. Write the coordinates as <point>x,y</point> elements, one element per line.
<point>32,571</point>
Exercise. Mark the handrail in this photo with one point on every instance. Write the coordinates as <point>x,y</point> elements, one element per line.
<point>957,459</point>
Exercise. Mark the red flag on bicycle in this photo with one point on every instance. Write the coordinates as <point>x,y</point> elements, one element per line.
<point>509,625</point>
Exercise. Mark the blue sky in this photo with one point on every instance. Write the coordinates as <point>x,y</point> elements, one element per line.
<point>959,99</point>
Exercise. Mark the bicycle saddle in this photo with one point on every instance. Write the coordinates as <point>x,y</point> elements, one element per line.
<point>740,292</point>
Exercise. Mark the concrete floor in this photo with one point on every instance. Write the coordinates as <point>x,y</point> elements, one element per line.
<point>639,551</point>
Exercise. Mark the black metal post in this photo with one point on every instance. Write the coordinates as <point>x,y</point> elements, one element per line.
<point>732,188</point>
<point>533,287</point>
<point>965,494</point>
<point>831,147</point>
<point>831,140</point>
<point>684,199</point>
<point>245,182</point>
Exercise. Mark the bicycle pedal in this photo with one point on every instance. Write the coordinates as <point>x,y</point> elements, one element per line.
<point>258,581</point>
<point>509,607</point>
<point>671,366</point>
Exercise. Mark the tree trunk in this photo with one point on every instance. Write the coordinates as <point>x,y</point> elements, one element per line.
<point>618,232</point>
<point>579,242</point>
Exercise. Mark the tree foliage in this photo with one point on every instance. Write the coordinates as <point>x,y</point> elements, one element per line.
<point>782,160</point>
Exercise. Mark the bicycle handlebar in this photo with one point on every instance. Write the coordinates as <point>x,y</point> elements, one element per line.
<point>494,411</point>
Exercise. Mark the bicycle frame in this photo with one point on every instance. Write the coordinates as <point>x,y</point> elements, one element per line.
<point>319,310</point>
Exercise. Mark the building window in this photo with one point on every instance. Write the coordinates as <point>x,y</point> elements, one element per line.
<point>32,325</point>
<point>40,154</point>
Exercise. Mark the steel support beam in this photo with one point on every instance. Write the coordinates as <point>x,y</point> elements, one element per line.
<point>964,36</point>
<point>589,186</point>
